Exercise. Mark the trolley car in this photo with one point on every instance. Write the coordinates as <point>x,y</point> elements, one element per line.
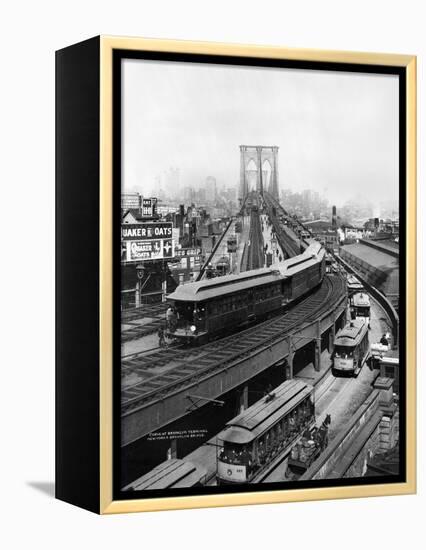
<point>354,285</point>
<point>206,309</point>
<point>351,348</point>
<point>360,305</point>
<point>171,474</point>
<point>257,440</point>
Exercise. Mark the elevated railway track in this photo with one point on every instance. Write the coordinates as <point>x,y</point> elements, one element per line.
<point>156,388</point>
<point>288,239</point>
<point>132,327</point>
<point>253,256</point>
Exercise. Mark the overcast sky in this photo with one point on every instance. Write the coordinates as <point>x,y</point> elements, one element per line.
<point>335,131</point>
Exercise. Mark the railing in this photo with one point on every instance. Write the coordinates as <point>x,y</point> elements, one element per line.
<point>378,296</point>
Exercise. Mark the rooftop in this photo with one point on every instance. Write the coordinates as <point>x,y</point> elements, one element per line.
<point>373,256</point>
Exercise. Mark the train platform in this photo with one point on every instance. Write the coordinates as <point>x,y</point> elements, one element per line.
<point>205,456</point>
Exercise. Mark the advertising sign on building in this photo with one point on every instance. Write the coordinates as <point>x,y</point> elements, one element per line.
<point>149,207</point>
<point>188,252</point>
<point>149,250</point>
<point>147,241</point>
<point>146,231</point>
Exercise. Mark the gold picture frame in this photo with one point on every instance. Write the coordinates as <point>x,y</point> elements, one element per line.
<point>107,46</point>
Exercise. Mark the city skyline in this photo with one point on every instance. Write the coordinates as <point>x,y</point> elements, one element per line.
<point>335,131</point>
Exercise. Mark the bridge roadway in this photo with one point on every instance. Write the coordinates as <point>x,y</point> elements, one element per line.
<point>288,239</point>
<point>157,388</point>
<point>253,256</point>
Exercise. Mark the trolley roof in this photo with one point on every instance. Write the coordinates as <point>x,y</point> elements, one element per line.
<point>351,334</point>
<point>353,282</point>
<point>219,286</point>
<point>312,255</point>
<point>171,473</point>
<point>361,299</point>
<point>213,288</point>
<point>262,415</point>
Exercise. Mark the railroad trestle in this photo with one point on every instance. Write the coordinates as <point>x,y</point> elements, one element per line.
<point>146,408</point>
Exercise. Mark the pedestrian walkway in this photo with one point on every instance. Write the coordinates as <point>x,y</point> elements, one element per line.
<point>271,244</point>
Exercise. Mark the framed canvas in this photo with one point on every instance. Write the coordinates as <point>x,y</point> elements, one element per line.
<point>235,243</point>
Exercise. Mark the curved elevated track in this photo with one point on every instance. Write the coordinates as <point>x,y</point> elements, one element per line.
<point>162,380</point>
<point>253,256</point>
<point>288,240</point>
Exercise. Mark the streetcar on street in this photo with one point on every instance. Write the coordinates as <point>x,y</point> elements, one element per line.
<point>360,306</point>
<point>256,441</point>
<point>354,285</point>
<point>351,348</point>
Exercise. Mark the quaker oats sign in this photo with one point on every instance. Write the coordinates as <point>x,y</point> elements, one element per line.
<point>141,241</point>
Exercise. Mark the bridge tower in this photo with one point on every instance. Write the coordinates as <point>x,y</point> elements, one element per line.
<point>258,156</point>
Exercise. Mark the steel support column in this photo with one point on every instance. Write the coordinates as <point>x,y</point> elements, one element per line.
<point>317,357</point>
<point>290,357</point>
<point>331,336</point>
<point>243,399</point>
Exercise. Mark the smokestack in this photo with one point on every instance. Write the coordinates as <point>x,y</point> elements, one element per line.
<point>334,218</point>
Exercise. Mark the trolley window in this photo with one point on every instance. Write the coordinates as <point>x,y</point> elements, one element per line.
<point>344,351</point>
<point>362,311</point>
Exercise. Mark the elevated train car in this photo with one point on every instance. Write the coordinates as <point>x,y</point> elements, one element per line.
<point>171,474</point>
<point>206,309</point>
<point>256,441</point>
<point>351,348</point>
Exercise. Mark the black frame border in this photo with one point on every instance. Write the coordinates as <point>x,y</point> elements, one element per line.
<point>122,54</point>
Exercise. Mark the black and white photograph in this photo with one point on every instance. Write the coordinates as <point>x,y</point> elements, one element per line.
<point>260,284</point>
<point>214,290</point>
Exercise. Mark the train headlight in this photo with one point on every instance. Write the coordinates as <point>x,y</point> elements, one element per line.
<point>193,328</point>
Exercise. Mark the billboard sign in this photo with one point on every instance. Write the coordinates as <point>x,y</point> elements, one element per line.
<point>161,249</point>
<point>146,231</point>
<point>149,207</point>
<point>188,252</point>
<point>147,241</point>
